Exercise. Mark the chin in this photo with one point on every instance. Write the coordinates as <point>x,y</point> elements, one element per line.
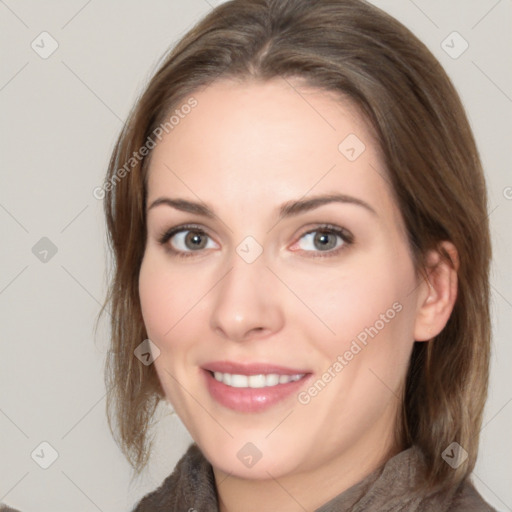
<point>257,459</point>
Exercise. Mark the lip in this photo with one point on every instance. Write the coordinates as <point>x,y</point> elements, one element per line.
<point>251,368</point>
<point>251,400</point>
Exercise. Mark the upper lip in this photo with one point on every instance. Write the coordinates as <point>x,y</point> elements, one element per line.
<point>251,368</point>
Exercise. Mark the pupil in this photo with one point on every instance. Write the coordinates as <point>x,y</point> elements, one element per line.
<point>323,241</point>
<point>195,241</point>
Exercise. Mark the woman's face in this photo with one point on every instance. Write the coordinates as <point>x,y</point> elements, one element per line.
<point>283,298</point>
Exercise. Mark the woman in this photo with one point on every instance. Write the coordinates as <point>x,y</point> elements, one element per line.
<point>297,213</point>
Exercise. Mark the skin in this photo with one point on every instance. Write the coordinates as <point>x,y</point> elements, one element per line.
<point>245,150</point>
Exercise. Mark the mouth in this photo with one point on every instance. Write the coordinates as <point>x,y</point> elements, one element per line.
<point>252,387</point>
<point>255,381</point>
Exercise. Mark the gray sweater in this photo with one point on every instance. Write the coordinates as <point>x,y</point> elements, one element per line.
<point>192,487</point>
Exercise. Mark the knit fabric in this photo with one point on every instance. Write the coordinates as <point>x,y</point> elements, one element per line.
<point>191,486</point>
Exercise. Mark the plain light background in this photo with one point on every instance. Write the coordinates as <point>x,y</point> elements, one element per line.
<point>60,117</point>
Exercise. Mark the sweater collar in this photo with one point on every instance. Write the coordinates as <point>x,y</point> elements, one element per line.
<point>388,489</point>
<point>191,486</point>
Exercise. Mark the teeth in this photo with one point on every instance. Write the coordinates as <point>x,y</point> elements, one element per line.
<point>255,381</point>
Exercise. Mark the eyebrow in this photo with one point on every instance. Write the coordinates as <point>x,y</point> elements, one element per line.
<point>288,209</point>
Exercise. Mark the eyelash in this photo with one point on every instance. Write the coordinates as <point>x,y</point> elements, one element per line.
<point>345,235</point>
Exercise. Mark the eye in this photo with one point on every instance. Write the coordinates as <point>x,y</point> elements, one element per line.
<point>184,240</point>
<point>324,239</point>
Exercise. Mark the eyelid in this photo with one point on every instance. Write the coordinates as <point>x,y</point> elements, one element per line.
<point>166,234</point>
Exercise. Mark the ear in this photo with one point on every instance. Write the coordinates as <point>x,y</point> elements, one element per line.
<point>438,292</point>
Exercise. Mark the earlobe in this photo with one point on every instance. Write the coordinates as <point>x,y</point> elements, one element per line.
<point>437,292</point>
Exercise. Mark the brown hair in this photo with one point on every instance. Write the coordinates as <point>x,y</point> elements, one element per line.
<point>353,48</point>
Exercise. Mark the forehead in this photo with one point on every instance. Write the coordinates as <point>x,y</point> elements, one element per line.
<point>233,118</point>
<point>265,142</point>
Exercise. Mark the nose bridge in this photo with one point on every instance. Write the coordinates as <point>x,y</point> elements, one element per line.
<point>244,302</point>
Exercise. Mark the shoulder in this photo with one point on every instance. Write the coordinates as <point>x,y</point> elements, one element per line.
<point>397,487</point>
<point>190,486</point>
<point>468,499</point>
<point>460,498</point>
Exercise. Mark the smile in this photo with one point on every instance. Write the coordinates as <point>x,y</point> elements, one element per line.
<point>255,381</point>
<point>253,388</point>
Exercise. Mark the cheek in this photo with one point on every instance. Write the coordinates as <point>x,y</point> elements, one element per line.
<point>164,300</point>
<point>366,303</point>
<point>163,297</point>
<point>353,296</point>
<point>174,306</point>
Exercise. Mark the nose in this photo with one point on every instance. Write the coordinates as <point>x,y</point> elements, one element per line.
<point>246,305</point>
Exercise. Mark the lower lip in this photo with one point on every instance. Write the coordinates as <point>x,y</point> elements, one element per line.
<point>251,399</point>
